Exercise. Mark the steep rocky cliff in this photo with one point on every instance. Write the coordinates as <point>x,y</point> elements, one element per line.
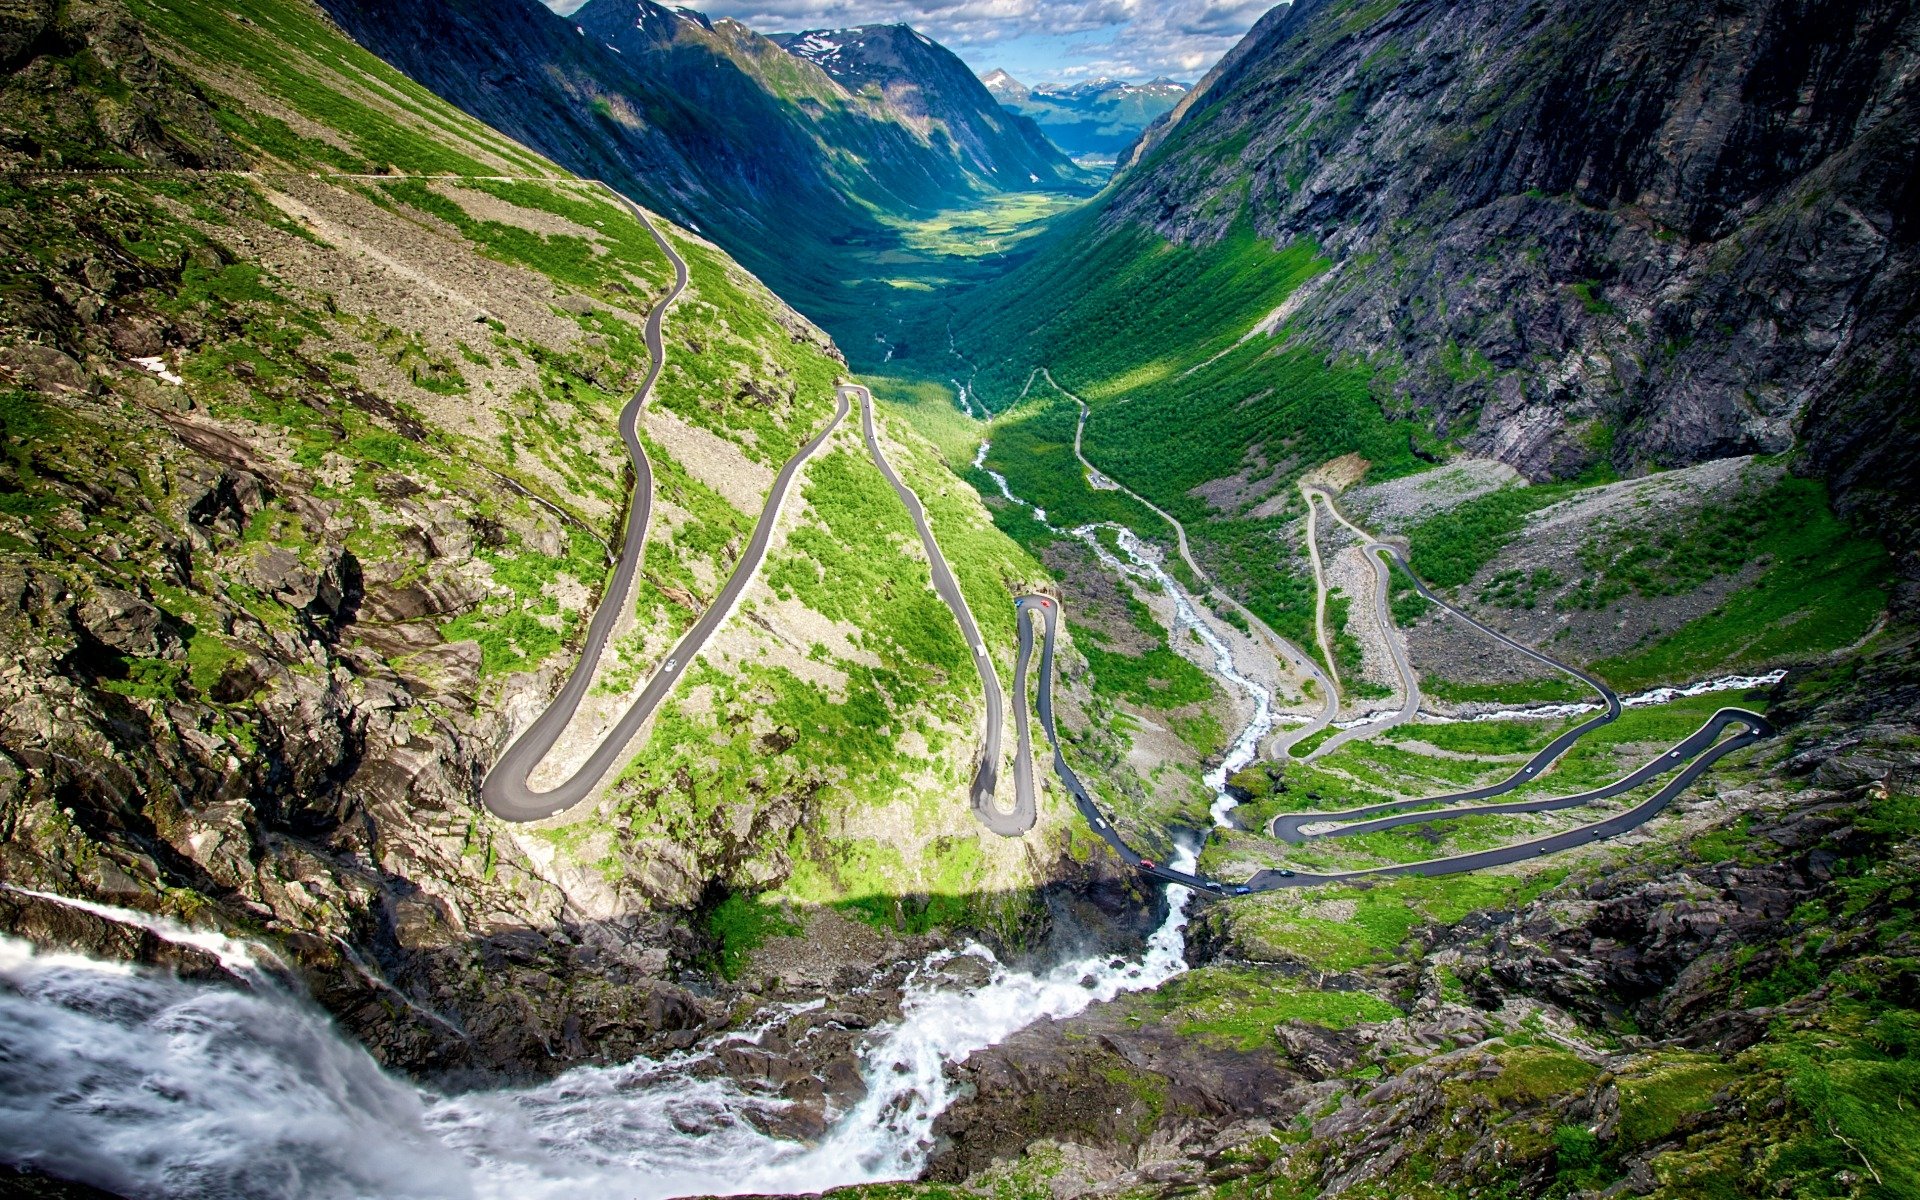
<point>1563,233</point>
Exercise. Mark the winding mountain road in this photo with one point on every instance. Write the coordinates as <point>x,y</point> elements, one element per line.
<point>1287,826</point>
<point>986,774</point>
<point>1409,682</point>
<point>1704,743</point>
<point>1048,609</point>
<point>506,791</point>
<point>1691,757</point>
<point>1364,820</point>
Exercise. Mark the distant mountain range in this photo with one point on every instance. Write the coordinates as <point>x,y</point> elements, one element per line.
<point>778,156</point>
<point>1100,117</point>
<point>928,89</point>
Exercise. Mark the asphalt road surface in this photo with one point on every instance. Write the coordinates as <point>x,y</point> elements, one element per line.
<point>505,791</point>
<point>1287,826</point>
<point>1354,821</point>
<point>987,770</point>
<point>1048,610</point>
<point>1702,743</point>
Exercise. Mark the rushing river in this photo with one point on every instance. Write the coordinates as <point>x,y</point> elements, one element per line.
<point>148,1085</point>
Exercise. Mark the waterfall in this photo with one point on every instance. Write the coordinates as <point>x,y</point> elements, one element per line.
<point>148,1085</point>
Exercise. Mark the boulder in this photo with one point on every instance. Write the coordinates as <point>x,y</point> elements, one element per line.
<point>125,622</point>
<point>48,370</point>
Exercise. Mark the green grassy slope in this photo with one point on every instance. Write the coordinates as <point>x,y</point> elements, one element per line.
<point>428,375</point>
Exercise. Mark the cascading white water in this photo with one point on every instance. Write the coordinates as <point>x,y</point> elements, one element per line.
<point>980,464</point>
<point>1657,695</point>
<point>652,1130</point>
<point>242,959</point>
<point>153,1086</point>
<point>1144,565</point>
<point>147,1085</point>
<point>1247,746</point>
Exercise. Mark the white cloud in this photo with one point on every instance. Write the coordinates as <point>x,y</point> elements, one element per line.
<point>1130,39</point>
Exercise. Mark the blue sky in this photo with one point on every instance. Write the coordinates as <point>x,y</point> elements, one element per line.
<point>1038,41</point>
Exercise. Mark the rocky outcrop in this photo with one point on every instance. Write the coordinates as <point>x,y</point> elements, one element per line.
<point>1635,1030</point>
<point>51,51</point>
<point>1143,1097</point>
<point>292,784</point>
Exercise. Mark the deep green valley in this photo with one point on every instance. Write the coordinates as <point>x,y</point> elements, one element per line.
<point>609,603</point>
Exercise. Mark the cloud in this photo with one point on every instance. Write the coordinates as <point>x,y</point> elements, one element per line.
<point>1063,39</point>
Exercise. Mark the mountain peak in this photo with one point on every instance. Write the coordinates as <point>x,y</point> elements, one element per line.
<point>1004,87</point>
<point>936,94</point>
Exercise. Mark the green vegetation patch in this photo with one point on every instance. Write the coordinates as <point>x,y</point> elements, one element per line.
<point>1823,587</point>
<point>306,65</point>
<point>756,379</point>
<point>1238,1007</point>
<point>1449,549</point>
<point>740,924</point>
<point>1316,929</point>
<point>1654,1102</point>
<point>1141,307</point>
<point>615,256</point>
<point>1532,1074</point>
<point>1033,448</point>
<point>1159,678</point>
<point>1482,737</point>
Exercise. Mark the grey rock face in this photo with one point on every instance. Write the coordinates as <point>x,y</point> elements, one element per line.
<point>1581,231</point>
<point>124,621</point>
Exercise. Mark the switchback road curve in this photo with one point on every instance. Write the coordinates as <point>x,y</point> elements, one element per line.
<point>1702,743</point>
<point>506,791</point>
<point>1286,827</point>
<point>1358,820</point>
<point>1047,610</point>
<point>987,770</point>
<point>1692,757</point>
<point>1409,682</point>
